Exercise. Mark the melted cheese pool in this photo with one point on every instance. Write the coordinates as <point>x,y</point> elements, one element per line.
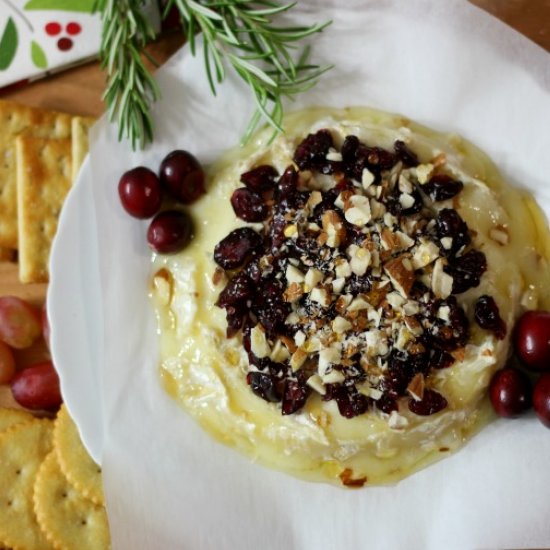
<point>205,372</point>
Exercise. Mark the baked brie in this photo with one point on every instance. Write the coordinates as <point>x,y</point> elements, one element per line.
<point>350,289</point>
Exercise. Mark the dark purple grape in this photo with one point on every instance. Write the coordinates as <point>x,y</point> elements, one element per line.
<point>431,403</point>
<point>487,315</point>
<point>450,224</point>
<point>182,174</point>
<point>169,232</point>
<point>442,187</point>
<point>532,340</point>
<point>541,399</point>
<point>264,386</point>
<point>261,178</point>
<point>295,395</point>
<point>404,154</point>
<point>466,270</point>
<point>510,392</point>
<point>249,206</point>
<point>232,251</point>
<point>140,193</point>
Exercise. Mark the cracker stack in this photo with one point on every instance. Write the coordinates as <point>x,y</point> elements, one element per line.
<point>41,152</point>
<point>50,491</point>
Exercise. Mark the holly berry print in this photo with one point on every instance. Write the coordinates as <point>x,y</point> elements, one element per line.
<point>39,36</point>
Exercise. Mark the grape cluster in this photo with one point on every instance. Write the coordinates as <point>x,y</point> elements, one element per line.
<point>141,191</point>
<point>511,390</point>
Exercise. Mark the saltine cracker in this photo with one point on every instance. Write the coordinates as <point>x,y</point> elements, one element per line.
<point>43,181</point>
<point>80,128</point>
<point>14,120</point>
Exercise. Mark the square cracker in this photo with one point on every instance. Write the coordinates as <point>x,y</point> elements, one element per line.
<point>43,181</point>
<point>15,119</point>
<point>80,128</point>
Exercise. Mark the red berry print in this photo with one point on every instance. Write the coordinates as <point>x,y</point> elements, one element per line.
<point>64,44</point>
<point>73,28</point>
<point>53,28</point>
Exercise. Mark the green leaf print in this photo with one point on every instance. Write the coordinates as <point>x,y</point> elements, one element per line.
<point>38,56</point>
<point>86,6</point>
<point>8,44</point>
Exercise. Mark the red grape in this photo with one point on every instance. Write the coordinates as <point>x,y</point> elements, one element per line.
<point>140,192</point>
<point>19,322</point>
<point>7,364</point>
<point>510,392</point>
<point>37,387</point>
<point>169,232</point>
<point>532,340</point>
<point>541,399</point>
<point>182,174</point>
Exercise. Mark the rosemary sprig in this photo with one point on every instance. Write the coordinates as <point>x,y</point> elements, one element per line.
<point>236,34</point>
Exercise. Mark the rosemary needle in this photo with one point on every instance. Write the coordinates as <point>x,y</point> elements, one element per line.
<point>237,35</point>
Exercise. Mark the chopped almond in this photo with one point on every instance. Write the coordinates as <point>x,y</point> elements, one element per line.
<point>401,277</point>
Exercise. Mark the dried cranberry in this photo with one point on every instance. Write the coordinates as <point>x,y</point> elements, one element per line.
<point>378,159</point>
<point>455,334</point>
<point>287,184</point>
<point>441,359</point>
<point>350,402</point>
<point>467,270</point>
<point>253,270</point>
<point>357,156</point>
<point>260,178</point>
<point>401,369</point>
<point>236,316</point>
<point>349,152</point>
<point>386,404</point>
<point>431,403</point>
<point>450,224</point>
<point>404,154</point>
<point>270,307</point>
<point>249,206</point>
<point>232,251</point>
<point>311,154</point>
<point>237,291</point>
<point>487,315</point>
<point>277,232</point>
<point>263,385</point>
<point>442,187</point>
<point>393,204</point>
<point>295,396</point>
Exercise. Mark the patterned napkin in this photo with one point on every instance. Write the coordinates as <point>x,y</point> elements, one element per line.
<point>38,37</point>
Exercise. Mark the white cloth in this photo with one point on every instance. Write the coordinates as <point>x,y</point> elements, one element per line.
<point>168,485</point>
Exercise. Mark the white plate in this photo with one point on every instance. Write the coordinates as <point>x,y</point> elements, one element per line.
<point>74,309</point>
<point>441,63</point>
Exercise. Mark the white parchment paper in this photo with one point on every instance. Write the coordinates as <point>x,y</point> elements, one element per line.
<point>441,62</point>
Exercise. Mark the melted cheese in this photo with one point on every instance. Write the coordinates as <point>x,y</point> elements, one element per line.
<point>205,372</point>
